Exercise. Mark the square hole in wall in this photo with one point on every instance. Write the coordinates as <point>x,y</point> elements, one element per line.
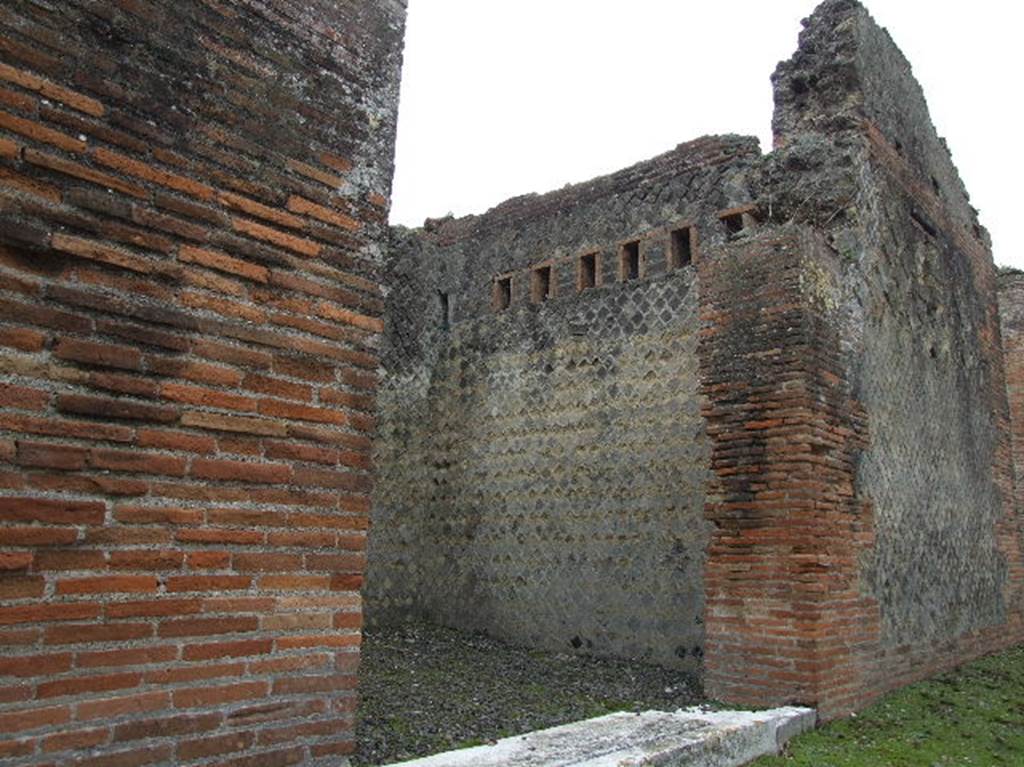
<point>541,287</point>
<point>588,271</point>
<point>629,261</point>
<point>502,293</point>
<point>445,306</point>
<point>681,248</point>
<point>733,223</point>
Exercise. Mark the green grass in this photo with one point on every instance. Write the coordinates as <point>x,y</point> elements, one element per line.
<point>971,716</point>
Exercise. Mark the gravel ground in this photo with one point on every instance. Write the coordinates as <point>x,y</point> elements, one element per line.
<point>426,689</point>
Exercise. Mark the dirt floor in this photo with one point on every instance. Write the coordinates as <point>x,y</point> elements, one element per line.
<point>426,689</point>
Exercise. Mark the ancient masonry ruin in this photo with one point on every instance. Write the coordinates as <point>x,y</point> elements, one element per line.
<point>743,414</point>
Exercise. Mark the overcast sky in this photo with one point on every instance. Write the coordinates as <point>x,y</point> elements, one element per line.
<point>505,97</point>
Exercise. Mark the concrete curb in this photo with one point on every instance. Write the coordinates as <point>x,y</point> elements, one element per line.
<point>691,738</point>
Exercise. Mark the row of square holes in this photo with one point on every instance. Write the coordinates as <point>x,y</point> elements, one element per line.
<point>683,246</point>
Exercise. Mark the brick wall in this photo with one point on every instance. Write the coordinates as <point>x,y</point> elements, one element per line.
<point>786,621</point>
<point>192,206</point>
<point>920,568</point>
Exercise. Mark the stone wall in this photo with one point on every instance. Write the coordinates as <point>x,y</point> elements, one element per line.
<point>542,466</point>
<point>193,199</point>
<point>858,530</point>
<point>917,319</point>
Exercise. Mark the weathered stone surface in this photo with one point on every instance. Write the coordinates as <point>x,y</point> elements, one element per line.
<point>814,411</point>
<point>690,738</point>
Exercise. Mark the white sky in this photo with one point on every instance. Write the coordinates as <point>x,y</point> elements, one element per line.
<point>505,97</point>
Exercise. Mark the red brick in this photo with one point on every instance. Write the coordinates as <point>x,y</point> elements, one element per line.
<point>88,684</point>
<point>208,560</point>
<point>14,180</point>
<point>208,583</point>
<point>167,515</point>
<point>148,755</point>
<point>253,208</point>
<point>311,684</point>
<point>109,708</point>
<point>100,407</point>
<point>234,355</point>
<point>236,649</point>
<point>298,204</point>
<point>201,372</point>
<point>226,537</point>
<point>296,622</point>
<point>131,461</point>
<point>318,640</point>
<point>23,397</point>
<point>13,748</point>
<point>15,693</point>
<point>64,428</point>
<point>222,306</point>
<point>40,133</point>
<point>124,384</point>
<point>348,620</point>
<point>87,632</point>
<point>214,696</point>
<point>15,560</point>
<point>176,440</point>
<point>52,90</point>
<point>338,314</point>
<point>92,353</point>
<point>346,583</point>
<point>299,452</point>
<point>338,163</point>
<point>47,612</point>
<point>51,456</point>
<point>23,339</point>
<point>71,559</point>
<point>180,675</point>
<point>241,424</point>
<point>290,242</point>
<point>143,656</point>
<point>32,719</point>
<point>198,395</point>
<point>10,149</point>
<point>222,263</point>
<point>299,412</point>
<point>281,758</point>
<point>77,740</point>
<point>202,748</point>
<point>21,587</point>
<point>295,582</point>
<point>239,605</point>
<point>313,540</point>
<point>277,387</point>
<point>328,179</point>
<point>37,536</point>
<point>274,473</point>
<point>146,560</point>
<point>35,665</point>
<point>207,626</point>
<point>147,172</point>
<point>167,726</point>
<point>336,747</point>
<point>267,562</point>
<point>68,168</point>
<point>112,584</point>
